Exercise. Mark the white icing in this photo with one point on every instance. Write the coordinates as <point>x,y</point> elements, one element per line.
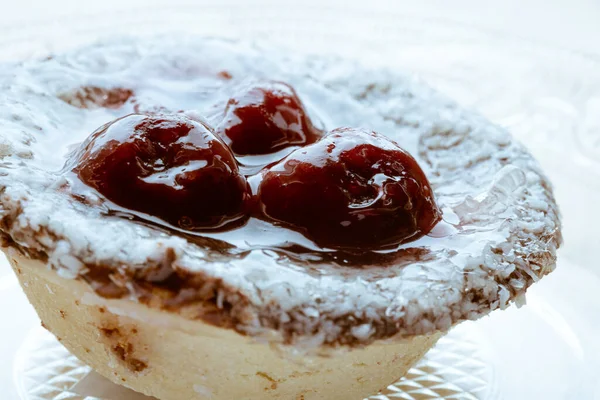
<point>501,227</point>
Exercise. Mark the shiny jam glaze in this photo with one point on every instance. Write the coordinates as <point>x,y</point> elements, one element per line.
<point>265,117</point>
<point>168,166</point>
<point>349,190</point>
<point>353,188</point>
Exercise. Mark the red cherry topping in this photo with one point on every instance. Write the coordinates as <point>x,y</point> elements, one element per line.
<point>353,188</point>
<point>264,118</point>
<point>170,167</point>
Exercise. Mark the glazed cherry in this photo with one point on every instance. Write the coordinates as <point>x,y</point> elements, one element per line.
<point>265,117</point>
<point>169,167</point>
<point>352,189</point>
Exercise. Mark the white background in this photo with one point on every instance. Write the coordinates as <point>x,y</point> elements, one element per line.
<point>569,23</point>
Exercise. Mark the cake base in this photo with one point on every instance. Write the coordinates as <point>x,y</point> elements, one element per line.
<point>166,356</point>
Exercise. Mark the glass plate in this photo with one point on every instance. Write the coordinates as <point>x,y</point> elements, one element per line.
<point>548,97</point>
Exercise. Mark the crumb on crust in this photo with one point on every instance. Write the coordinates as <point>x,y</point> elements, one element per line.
<point>124,345</point>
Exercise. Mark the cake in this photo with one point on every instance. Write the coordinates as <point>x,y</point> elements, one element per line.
<point>145,270</point>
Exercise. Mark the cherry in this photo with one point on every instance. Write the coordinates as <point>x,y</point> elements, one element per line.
<point>353,188</point>
<point>262,118</point>
<point>167,166</point>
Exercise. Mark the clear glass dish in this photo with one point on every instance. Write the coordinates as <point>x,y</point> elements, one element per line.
<point>549,98</point>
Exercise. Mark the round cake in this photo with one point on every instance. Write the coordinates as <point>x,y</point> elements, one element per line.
<point>244,298</point>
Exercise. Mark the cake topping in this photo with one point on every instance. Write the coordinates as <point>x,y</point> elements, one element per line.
<point>167,166</point>
<point>265,117</point>
<point>354,188</point>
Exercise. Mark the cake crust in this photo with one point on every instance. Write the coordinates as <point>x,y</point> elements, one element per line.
<point>169,357</point>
